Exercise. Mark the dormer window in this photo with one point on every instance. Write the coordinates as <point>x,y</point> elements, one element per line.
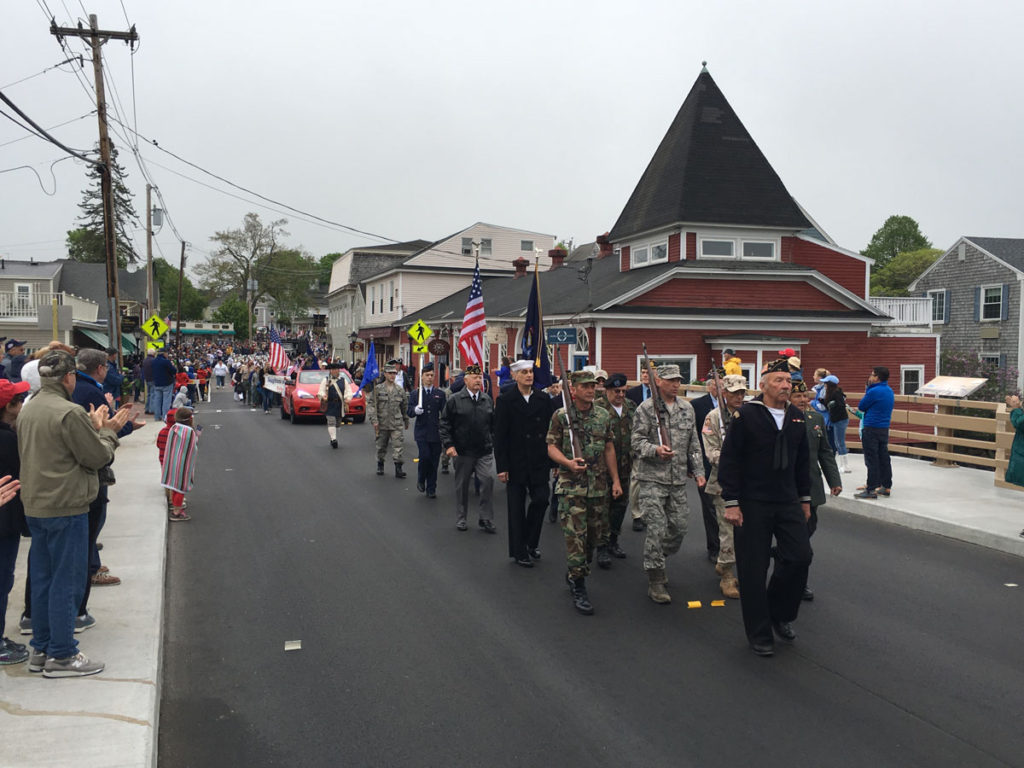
<point>649,253</point>
<point>728,247</point>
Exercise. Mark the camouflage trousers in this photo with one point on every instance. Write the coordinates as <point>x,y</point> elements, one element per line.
<point>665,512</point>
<point>614,514</point>
<point>581,518</point>
<point>634,487</point>
<point>726,534</point>
<point>395,438</point>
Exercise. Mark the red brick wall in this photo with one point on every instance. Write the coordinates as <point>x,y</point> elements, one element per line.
<point>624,258</point>
<point>845,270</point>
<point>691,245</point>
<point>743,294</point>
<point>673,247</point>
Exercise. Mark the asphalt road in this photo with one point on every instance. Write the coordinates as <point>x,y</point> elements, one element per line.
<point>424,646</point>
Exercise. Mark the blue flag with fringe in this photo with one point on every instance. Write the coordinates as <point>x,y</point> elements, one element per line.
<point>370,372</point>
<point>534,346</point>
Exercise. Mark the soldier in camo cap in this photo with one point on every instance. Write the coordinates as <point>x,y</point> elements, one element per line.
<point>580,442</point>
<point>661,471</point>
<point>387,408</point>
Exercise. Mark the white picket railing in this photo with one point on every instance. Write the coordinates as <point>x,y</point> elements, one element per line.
<point>904,310</point>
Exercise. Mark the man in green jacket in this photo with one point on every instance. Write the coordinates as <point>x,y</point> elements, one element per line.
<point>61,448</point>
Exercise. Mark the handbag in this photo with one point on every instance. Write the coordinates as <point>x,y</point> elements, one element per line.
<point>106,475</point>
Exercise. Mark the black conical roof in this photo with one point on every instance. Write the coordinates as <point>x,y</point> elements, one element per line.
<point>708,169</point>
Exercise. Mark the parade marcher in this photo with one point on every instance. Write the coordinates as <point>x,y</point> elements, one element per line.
<point>702,406</point>
<point>580,442</point>
<point>714,430</point>
<point>467,426</point>
<point>446,390</point>
<point>522,415</point>
<point>765,476</point>
<point>332,398</point>
<point>386,410</point>
<point>661,473</point>
<point>823,460</point>
<point>426,405</point>
<point>621,411</point>
<point>220,371</point>
<point>637,394</point>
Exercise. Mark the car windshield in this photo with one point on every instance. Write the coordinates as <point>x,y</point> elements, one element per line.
<point>311,377</point>
<point>350,385</point>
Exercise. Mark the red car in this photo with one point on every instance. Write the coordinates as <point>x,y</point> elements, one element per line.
<point>300,399</point>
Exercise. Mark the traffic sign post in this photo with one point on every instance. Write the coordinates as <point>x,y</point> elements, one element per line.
<point>420,332</point>
<point>155,327</point>
<point>561,335</point>
<point>419,349</point>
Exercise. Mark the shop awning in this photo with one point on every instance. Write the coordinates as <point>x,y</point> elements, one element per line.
<point>128,345</point>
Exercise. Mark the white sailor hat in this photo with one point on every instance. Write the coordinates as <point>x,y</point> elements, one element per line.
<point>521,365</point>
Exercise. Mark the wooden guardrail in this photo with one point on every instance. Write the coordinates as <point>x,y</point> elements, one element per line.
<point>932,427</point>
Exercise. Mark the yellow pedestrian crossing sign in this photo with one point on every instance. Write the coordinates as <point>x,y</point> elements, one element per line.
<point>419,349</point>
<point>154,345</point>
<point>420,332</point>
<point>155,326</point>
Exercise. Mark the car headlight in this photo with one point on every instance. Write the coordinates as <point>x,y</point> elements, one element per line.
<point>305,396</point>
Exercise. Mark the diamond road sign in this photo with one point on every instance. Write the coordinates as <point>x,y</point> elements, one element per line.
<point>420,332</point>
<point>561,335</point>
<point>155,327</point>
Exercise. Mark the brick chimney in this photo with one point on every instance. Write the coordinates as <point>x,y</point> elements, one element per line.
<point>604,245</point>
<point>520,264</point>
<point>557,256</point>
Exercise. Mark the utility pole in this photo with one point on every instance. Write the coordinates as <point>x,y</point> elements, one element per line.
<point>181,281</point>
<point>149,252</point>
<point>96,38</point>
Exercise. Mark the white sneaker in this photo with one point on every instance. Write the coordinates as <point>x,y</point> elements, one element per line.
<point>74,666</point>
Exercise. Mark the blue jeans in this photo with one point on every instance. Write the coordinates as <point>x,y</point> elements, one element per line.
<point>150,397</point>
<point>162,398</point>
<point>268,399</point>
<point>8,560</point>
<point>876,457</point>
<point>837,436</point>
<point>60,552</point>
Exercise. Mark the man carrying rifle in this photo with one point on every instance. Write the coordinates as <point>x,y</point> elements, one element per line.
<point>580,443</point>
<point>667,448</point>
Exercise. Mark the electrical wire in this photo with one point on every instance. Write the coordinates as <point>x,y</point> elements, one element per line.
<point>50,128</point>
<point>41,132</point>
<point>78,58</point>
<point>38,177</point>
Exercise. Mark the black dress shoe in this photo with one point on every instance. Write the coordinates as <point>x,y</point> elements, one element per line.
<point>808,594</point>
<point>784,630</point>
<point>380,467</point>
<point>431,495</point>
<point>420,487</point>
<point>534,553</point>
<point>334,443</point>
<point>524,561</point>
<point>763,649</point>
<point>488,526</point>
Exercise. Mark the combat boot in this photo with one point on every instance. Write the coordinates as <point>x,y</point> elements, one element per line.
<point>613,547</point>
<point>399,472</point>
<point>656,586</point>
<point>604,558</point>
<point>580,600</point>
<point>380,467</point>
<point>730,588</point>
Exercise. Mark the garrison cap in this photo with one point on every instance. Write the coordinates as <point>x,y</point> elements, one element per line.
<point>799,386</point>
<point>777,366</point>
<point>473,369</point>
<point>427,368</point>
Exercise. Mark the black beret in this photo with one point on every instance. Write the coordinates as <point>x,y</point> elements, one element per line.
<point>616,380</point>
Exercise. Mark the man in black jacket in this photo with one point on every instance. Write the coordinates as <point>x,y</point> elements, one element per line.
<point>702,406</point>
<point>467,423</point>
<point>641,391</point>
<point>522,415</point>
<point>765,476</point>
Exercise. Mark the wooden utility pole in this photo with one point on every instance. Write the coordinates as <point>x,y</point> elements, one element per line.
<point>150,307</point>
<point>181,282</point>
<point>96,38</point>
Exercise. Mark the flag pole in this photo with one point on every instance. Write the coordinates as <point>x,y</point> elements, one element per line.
<point>540,308</point>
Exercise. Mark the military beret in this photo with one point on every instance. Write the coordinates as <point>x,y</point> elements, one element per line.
<point>616,380</point>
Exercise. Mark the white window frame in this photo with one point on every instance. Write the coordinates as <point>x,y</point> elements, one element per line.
<point>647,247</point>
<point>993,357</point>
<point>23,300</point>
<point>737,241</point>
<point>635,251</point>
<point>373,299</point>
<point>655,359</point>
<point>526,245</point>
<point>942,315</point>
<point>758,241</point>
<point>486,248</point>
<point>715,239</point>
<point>904,369</point>
<point>981,306</point>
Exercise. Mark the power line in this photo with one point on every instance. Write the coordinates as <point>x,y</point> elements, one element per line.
<point>38,177</point>
<point>79,59</point>
<point>42,132</point>
<point>50,128</point>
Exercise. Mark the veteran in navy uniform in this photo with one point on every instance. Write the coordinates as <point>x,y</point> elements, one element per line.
<point>426,404</point>
<point>522,415</point>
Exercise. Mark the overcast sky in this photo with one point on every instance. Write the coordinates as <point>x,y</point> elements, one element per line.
<point>413,120</point>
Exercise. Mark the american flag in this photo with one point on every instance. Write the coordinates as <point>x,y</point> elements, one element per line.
<point>278,357</point>
<point>474,324</point>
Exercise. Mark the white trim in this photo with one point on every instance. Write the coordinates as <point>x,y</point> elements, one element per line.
<point>599,334</point>
<point>648,246</point>
<point>941,291</point>
<point>915,367</point>
<point>738,240</point>
<point>691,359</point>
<point>815,224</point>
<point>751,343</point>
<point>981,303</point>
<point>694,226</point>
<point>983,355</point>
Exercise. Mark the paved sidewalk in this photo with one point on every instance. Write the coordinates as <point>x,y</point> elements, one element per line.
<point>957,502</point>
<point>110,719</point>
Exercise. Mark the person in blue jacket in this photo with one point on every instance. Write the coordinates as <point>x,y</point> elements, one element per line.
<point>426,403</point>
<point>877,405</point>
<point>114,380</point>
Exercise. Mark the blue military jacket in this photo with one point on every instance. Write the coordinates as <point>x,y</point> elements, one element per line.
<point>427,428</point>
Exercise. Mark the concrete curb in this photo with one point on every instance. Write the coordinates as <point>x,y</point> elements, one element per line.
<point>111,719</point>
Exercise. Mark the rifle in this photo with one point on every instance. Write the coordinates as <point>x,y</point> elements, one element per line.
<point>570,407</point>
<point>659,404</point>
<point>723,411</point>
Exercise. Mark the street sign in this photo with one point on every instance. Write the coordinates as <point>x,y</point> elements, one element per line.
<point>438,347</point>
<point>420,332</point>
<point>561,335</point>
<point>155,326</point>
<point>419,349</point>
<point>129,323</point>
<point>154,345</point>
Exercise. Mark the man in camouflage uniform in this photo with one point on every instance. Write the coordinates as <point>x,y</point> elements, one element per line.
<point>620,410</point>
<point>388,412</point>
<point>580,443</point>
<point>714,431</point>
<point>661,471</point>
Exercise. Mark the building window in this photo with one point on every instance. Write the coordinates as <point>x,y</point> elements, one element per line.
<point>485,248</point>
<point>938,305</point>
<point>23,295</point>
<point>526,245</point>
<point>391,295</point>
<point>659,252</point>
<point>467,246</point>
<point>717,249</point>
<point>373,299</point>
<point>639,256</point>
<point>687,365</point>
<point>992,360</point>
<point>911,379</point>
<point>759,249</point>
<point>991,302</point>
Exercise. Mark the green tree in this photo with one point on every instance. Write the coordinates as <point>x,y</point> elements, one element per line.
<point>233,310</point>
<point>193,302</point>
<point>901,271</point>
<point>896,235</point>
<point>86,242</point>
<point>288,281</point>
<point>326,263</point>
